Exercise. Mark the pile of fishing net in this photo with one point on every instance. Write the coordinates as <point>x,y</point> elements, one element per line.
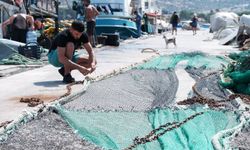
<point>46,131</point>
<point>134,90</point>
<point>237,74</point>
<point>194,59</point>
<point>17,59</point>
<point>240,140</point>
<point>118,130</point>
<point>133,109</point>
<point>9,54</point>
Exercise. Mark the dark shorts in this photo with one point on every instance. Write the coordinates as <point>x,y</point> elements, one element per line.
<point>54,60</point>
<point>91,27</point>
<point>174,25</point>
<point>194,24</point>
<point>19,35</point>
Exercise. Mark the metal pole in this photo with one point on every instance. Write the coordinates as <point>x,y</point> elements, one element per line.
<point>57,3</point>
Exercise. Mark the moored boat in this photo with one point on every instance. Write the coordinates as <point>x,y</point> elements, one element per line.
<point>124,27</point>
<point>115,18</point>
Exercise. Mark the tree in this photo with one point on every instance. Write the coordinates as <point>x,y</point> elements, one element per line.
<point>206,17</point>
<point>244,12</point>
<point>186,14</point>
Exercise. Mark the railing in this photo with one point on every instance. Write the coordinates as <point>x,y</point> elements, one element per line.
<point>41,8</point>
<point>115,7</point>
<point>44,5</point>
<point>4,13</point>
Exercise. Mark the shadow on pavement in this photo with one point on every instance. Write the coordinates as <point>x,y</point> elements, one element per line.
<point>49,83</point>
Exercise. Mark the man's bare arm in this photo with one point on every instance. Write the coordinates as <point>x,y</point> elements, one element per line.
<point>5,23</point>
<point>96,11</point>
<point>30,20</point>
<point>90,51</point>
<point>64,60</point>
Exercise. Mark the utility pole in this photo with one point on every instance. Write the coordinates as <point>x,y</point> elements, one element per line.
<point>57,3</point>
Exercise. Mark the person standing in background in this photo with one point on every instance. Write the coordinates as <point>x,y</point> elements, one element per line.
<point>194,24</point>
<point>174,20</point>
<point>20,24</point>
<point>20,5</point>
<point>79,8</point>
<point>138,22</point>
<point>90,16</point>
<point>145,18</point>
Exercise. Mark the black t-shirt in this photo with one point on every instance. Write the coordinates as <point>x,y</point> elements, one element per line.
<point>174,19</point>
<point>65,36</point>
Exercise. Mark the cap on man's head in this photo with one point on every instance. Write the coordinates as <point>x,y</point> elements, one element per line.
<point>78,26</point>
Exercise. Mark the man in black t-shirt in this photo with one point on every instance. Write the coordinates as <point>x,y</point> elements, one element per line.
<point>62,52</point>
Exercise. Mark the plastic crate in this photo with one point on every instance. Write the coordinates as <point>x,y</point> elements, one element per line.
<point>101,39</point>
<point>30,51</point>
<point>113,39</point>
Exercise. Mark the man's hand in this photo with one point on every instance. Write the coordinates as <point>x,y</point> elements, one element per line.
<point>84,71</point>
<point>93,67</point>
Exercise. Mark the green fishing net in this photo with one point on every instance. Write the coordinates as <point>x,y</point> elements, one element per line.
<point>194,59</point>
<point>17,59</point>
<point>112,112</point>
<point>242,61</point>
<point>238,73</point>
<point>9,55</point>
<point>116,130</point>
<point>113,129</point>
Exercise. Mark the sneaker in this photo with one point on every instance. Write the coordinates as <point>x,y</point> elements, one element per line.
<point>68,79</point>
<point>61,71</point>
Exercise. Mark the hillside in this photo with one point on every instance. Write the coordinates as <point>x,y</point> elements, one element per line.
<point>204,5</point>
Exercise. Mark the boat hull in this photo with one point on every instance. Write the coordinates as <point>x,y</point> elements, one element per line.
<point>125,28</point>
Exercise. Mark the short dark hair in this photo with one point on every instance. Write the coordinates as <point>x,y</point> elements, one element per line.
<point>88,1</point>
<point>78,26</point>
